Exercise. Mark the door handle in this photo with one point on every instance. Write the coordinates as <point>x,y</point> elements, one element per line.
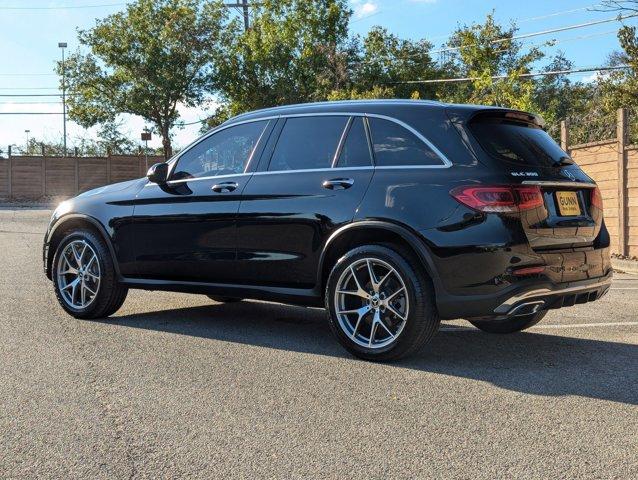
<point>338,183</point>
<point>225,187</point>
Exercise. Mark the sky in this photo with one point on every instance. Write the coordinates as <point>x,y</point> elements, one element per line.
<point>31,29</point>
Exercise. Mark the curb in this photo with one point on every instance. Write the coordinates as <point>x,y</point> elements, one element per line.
<point>625,266</point>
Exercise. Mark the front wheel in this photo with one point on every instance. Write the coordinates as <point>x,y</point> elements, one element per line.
<point>380,303</point>
<point>84,276</point>
<point>509,325</point>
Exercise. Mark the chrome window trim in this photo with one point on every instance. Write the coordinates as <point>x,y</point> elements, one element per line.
<point>342,141</point>
<point>446,163</point>
<point>327,169</point>
<point>549,183</point>
<point>173,161</point>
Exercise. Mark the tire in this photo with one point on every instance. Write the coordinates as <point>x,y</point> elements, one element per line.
<point>109,294</point>
<point>413,318</point>
<point>509,325</point>
<point>220,299</point>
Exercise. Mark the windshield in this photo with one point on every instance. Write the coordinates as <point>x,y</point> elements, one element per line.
<point>520,143</point>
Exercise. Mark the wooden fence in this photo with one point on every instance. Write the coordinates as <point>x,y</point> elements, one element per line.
<point>613,164</point>
<point>37,177</point>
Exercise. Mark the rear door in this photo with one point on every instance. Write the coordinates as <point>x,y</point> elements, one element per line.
<point>568,229</point>
<point>185,230</point>
<point>518,146</point>
<point>310,182</point>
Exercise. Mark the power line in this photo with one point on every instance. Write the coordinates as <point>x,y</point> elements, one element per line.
<point>28,88</point>
<point>29,103</point>
<point>182,124</point>
<point>556,14</point>
<point>27,74</point>
<point>542,32</point>
<point>31,113</point>
<point>522,75</point>
<point>32,94</point>
<point>532,19</point>
<point>64,7</point>
<point>501,40</point>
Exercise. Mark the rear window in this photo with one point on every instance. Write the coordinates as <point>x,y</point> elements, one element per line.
<point>394,145</point>
<point>516,142</point>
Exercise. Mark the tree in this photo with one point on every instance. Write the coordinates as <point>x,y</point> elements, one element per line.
<point>483,51</point>
<point>382,62</point>
<point>556,97</point>
<point>112,140</point>
<point>295,51</point>
<point>145,61</point>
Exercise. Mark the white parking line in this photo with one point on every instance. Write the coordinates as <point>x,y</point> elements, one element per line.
<point>585,325</point>
<point>550,326</point>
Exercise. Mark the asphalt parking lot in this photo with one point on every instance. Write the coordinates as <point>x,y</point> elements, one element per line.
<point>175,385</point>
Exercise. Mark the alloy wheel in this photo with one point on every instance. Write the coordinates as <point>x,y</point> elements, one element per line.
<point>371,303</point>
<point>78,274</point>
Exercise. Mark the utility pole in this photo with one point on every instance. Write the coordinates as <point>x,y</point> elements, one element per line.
<point>245,9</point>
<point>27,145</point>
<point>62,45</point>
<point>244,5</point>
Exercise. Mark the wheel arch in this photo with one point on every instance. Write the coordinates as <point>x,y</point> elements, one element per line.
<point>75,221</point>
<point>373,232</point>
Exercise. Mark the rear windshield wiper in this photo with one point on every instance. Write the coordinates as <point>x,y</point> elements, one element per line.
<point>563,161</point>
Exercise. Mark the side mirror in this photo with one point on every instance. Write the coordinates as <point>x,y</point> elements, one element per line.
<point>158,173</point>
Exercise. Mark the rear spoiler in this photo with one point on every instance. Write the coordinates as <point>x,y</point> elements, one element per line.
<point>463,115</point>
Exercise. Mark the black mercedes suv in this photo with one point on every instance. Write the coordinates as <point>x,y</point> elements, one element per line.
<point>391,214</point>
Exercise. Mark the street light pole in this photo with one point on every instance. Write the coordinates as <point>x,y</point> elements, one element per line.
<point>62,45</point>
<point>146,136</point>
<point>27,149</point>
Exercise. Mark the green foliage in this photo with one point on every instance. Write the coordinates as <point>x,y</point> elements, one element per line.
<point>159,54</point>
<point>487,50</point>
<point>146,60</point>
<point>295,51</point>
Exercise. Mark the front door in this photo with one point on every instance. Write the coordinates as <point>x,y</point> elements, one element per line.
<point>185,230</point>
<point>316,176</point>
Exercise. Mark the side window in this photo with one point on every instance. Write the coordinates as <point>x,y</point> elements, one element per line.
<point>355,151</point>
<point>224,153</point>
<point>307,142</point>
<point>395,145</point>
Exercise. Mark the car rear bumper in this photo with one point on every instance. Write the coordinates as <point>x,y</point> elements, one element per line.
<point>524,299</point>
<point>554,296</point>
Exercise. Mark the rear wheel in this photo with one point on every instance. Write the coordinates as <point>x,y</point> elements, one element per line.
<point>380,306</point>
<point>509,325</point>
<point>84,276</point>
<point>220,299</point>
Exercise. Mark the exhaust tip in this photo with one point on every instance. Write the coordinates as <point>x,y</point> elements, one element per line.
<point>527,308</point>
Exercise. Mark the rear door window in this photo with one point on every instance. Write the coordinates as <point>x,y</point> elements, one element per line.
<point>395,145</point>
<point>355,151</point>
<point>515,142</point>
<point>307,143</point>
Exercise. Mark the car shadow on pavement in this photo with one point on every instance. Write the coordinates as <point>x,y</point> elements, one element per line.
<point>528,362</point>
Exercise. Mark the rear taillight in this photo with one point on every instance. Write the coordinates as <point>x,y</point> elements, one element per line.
<point>521,272</point>
<point>500,199</point>
<point>596,198</point>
